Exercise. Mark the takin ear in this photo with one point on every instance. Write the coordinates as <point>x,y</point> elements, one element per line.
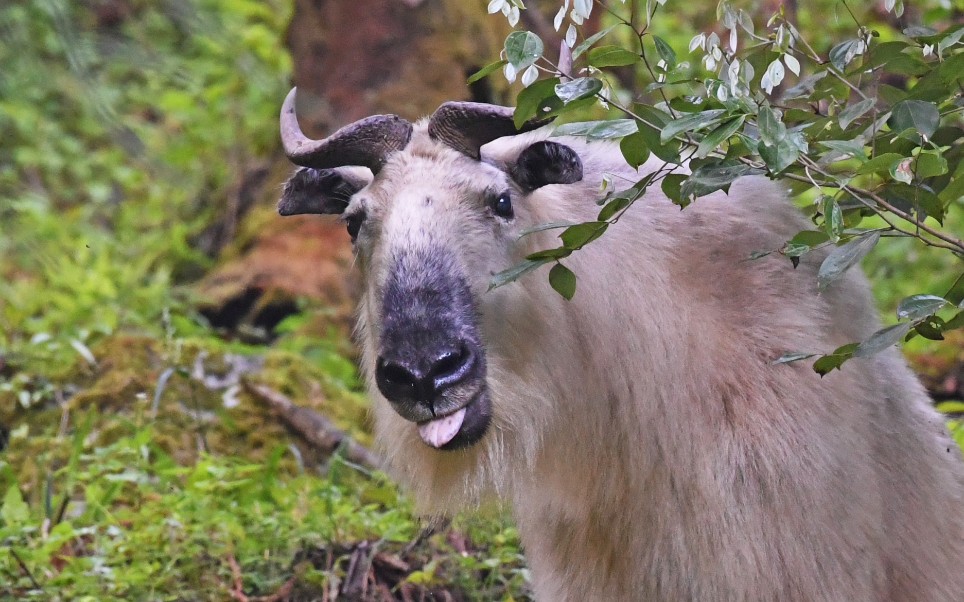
<point>321,190</point>
<point>544,163</point>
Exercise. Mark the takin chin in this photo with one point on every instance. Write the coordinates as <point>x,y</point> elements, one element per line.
<point>649,447</point>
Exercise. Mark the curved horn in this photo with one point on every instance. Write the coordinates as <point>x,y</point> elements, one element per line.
<point>467,126</point>
<point>367,142</point>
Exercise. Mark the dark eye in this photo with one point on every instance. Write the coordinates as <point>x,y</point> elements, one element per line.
<point>354,222</point>
<point>502,206</point>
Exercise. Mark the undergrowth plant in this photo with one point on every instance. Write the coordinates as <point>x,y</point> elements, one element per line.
<point>126,521</point>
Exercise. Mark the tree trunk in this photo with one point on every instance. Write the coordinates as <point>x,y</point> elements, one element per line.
<point>354,59</point>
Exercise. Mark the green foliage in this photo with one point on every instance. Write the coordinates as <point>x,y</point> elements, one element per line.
<point>117,160</point>
<point>865,123</point>
<point>563,280</point>
<point>127,522</point>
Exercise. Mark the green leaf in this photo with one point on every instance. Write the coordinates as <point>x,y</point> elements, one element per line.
<point>522,48</point>
<point>950,39</point>
<point>719,135</point>
<point>930,164</point>
<point>546,226</point>
<point>954,189</point>
<point>811,238</point>
<point>576,237</point>
<point>588,42</point>
<point>536,101</point>
<point>830,362</point>
<point>956,293</point>
<point>832,218</point>
<point>901,171</point>
<point>598,130</point>
<point>652,115</point>
<point>880,164</point>
<point>917,115</point>
<point>710,178</point>
<point>612,208</point>
<point>578,89</point>
<point>914,199</point>
<point>485,71</point>
<point>951,407</point>
<point>563,281</point>
<point>794,252</point>
<point>667,152</point>
<point>930,328</point>
<point>511,274</point>
<point>916,307</point>
<point>611,56</point>
<point>885,53</point>
<point>853,148</point>
<point>918,31</point>
<point>689,123</point>
<point>779,156</point>
<point>672,188</point>
<point>805,87</point>
<point>844,257</point>
<point>954,323</point>
<point>882,339</point>
<point>772,130</point>
<point>549,254</point>
<point>786,358</point>
<point>15,511</point>
<point>634,149</point>
<point>665,52</point>
<point>844,52</point>
<point>854,111</point>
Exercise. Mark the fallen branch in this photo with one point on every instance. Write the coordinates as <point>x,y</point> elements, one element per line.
<point>314,428</point>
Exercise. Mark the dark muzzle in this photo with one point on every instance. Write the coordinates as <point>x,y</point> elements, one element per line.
<point>431,363</point>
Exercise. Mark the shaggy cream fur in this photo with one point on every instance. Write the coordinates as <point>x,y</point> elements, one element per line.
<point>649,448</point>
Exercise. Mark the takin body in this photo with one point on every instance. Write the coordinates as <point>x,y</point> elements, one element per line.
<point>647,444</point>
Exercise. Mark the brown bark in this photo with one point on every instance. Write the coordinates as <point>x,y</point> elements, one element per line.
<point>354,59</point>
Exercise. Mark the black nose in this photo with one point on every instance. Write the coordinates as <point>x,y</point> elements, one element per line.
<point>422,378</point>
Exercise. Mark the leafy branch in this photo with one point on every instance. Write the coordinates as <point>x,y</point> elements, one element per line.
<point>855,152</point>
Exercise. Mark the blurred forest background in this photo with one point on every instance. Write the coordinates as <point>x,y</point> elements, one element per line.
<point>156,314</point>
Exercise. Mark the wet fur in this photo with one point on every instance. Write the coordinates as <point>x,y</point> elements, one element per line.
<point>648,447</point>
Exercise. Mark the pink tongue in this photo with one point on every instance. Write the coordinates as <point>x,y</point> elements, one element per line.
<point>440,431</point>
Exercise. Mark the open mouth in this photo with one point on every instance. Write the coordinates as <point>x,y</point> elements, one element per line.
<point>458,429</point>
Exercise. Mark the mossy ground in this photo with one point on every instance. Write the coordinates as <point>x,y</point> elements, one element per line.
<point>161,479</point>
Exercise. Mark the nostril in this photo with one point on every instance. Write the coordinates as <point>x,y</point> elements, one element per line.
<point>452,367</point>
<point>397,382</point>
<point>397,375</point>
<point>450,362</point>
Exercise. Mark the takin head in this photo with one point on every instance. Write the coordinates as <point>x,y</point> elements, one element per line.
<point>430,222</point>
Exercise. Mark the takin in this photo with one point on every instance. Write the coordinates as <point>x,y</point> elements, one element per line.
<point>648,446</point>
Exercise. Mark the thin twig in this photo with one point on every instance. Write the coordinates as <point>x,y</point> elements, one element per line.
<point>237,586</point>
<point>23,567</point>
